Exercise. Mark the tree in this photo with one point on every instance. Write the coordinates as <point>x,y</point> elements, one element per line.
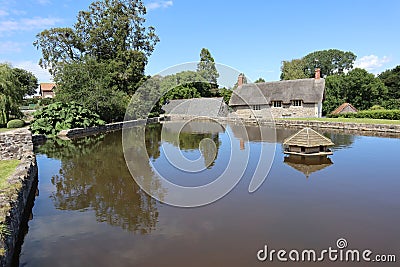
<point>358,87</point>
<point>110,35</point>
<point>332,61</point>
<point>10,93</point>
<point>27,81</point>
<point>391,78</point>
<point>206,67</point>
<point>292,70</point>
<point>329,61</point>
<point>260,80</point>
<point>90,83</point>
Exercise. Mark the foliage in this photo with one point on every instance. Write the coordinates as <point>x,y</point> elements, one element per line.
<point>206,67</point>
<point>28,83</point>
<point>226,94</point>
<point>15,123</point>
<point>376,107</point>
<point>358,87</point>
<point>9,93</point>
<point>60,116</point>
<point>100,61</point>
<point>97,91</point>
<point>371,114</point>
<point>260,80</point>
<point>332,61</point>
<point>391,78</point>
<point>293,69</point>
<point>391,103</point>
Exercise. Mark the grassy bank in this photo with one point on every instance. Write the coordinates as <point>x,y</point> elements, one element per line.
<point>7,167</point>
<point>349,120</point>
<point>4,130</point>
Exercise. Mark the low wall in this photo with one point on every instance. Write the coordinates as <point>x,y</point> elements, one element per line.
<point>77,132</point>
<point>15,198</point>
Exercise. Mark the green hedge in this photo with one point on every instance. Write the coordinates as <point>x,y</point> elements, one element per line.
<point>371,114</point>
<point>15,124</point>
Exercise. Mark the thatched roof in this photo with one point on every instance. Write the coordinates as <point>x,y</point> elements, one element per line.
<point>308,90</point>
<point>307,137</point>
<point>307,165</point>
<point>345,107</point>
<point>208,107</point>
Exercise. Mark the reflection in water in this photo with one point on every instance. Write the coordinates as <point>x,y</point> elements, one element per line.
<point>90,179</point>
<point>308,164</point>
<point>90,212</point>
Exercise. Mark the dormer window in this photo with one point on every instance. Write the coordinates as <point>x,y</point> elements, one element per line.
<point>297,103</point>
<point>277,104</point>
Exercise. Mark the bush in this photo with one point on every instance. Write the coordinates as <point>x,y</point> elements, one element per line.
<point>371,114</point>
<point>15,124</point>
<point>52,119</point>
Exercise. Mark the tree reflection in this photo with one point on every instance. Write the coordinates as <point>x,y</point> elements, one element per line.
<point>94,176</point>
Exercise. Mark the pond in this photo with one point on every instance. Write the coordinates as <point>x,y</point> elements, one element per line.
<point>91,212</point>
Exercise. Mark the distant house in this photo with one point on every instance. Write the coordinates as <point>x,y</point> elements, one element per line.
<point>345,108</point>
<point>46,90</point>
<point>196,107</point>
<point>292,98</point>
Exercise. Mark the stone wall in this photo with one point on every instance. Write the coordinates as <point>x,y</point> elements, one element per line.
<point>15,143</point>
<point>15,198</point>
<point>77,132</point>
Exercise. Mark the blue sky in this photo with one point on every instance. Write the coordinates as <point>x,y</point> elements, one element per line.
<point>251,36</point>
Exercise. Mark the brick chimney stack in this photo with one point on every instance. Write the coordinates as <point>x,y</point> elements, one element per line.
<point>317,73</point>
<point>240,80</point>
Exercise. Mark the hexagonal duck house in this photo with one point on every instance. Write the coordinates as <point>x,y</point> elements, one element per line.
<point>307,142</point>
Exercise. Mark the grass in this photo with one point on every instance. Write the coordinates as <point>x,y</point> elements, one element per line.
<point>4,130</point>
<point>350,120</point>
<point>7,167</point>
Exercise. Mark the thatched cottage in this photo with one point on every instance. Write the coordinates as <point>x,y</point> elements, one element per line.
<point>291,98</point>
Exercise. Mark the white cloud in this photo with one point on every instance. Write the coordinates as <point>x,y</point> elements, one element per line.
<point>10,47</point>
<point>26,24</point>
<point>41,74</point>
<point>159,4</point>
<point>371,63</point>
<point>43,2</point>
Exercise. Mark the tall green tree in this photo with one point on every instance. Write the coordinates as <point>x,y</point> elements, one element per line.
<point>206,67</point>
<point>10,93</point>
<point>27,81</point>
<point>111,34</point>
<point>332,61</point>
<point>329,61</point>
<point>293,69</point>
<point>391,78</point>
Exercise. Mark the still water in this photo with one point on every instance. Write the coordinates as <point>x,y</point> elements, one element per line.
<point>90,211</point>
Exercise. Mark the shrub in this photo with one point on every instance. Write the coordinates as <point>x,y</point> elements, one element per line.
<point>59,116</point>
<point>376,107</point>
<point>371,114</point>
<point>15,124</point>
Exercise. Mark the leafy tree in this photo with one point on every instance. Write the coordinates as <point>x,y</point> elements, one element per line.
<point>292,70</point>
<point>109,44</point>
<point>226,94</point>
<point>329,61</point>
<point>206,67</point>
<point>332,61</point>
<point>391,78</point>
<point>10,93</point>
<point>358,87</point>
<point>90,84</point>
<point>260,80</point>
<point>28,83</point>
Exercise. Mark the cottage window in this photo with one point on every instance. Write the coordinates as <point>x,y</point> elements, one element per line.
<point>256,107</point>
<point>277,104</point>
<point>297,103</point>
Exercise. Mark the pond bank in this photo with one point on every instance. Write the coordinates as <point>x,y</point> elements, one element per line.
<point>15,199</point>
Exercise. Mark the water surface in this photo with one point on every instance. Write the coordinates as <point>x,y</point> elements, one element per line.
<point>90,211</point>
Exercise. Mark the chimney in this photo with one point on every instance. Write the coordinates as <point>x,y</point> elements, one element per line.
<point>240,80</point>
<point>242,146</point>
<point>317,73</point>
